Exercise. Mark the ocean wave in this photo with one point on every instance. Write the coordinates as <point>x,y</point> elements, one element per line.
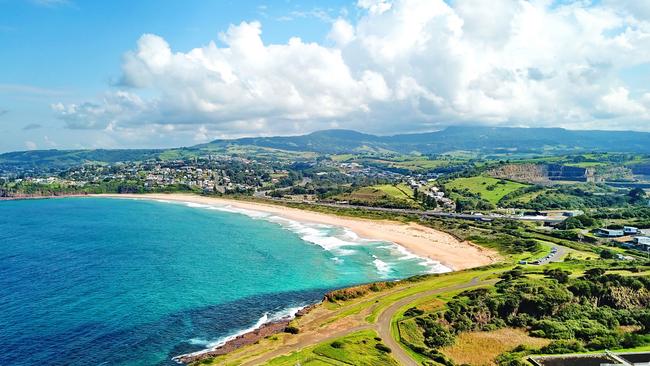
<point>383,268</point>
<point>338,240</point>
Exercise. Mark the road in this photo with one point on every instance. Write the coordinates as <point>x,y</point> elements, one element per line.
<point>558,256</point>
<point>385,318</point>
<point>382,327</point>
<point>429,213</point>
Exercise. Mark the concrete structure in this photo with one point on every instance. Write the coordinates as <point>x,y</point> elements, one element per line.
<point>642,243</point>
<point>611,233</point>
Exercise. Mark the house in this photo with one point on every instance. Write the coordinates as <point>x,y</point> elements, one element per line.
<point>610,233</point>
<point>630,230</point>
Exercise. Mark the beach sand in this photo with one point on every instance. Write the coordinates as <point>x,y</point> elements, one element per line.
<point>418,239</point>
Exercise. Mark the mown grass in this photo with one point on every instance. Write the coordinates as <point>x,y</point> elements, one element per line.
<point>410,332</point>
<point>490,189</point>
<point>354,349</point>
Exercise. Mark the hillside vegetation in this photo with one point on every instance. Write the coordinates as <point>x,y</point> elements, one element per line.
<point>488,188</point>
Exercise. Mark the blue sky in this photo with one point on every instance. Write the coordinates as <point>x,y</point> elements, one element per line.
<point>55,50</point>
<point>66,80</point>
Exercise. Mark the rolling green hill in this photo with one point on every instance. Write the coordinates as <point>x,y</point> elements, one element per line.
<point>481,140</point>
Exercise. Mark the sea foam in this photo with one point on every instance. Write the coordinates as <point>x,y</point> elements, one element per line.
<point>340,241</point>
<point>284,314</point>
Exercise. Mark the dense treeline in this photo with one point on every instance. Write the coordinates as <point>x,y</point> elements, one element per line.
<point>571,197</point>
<point>585,313</point>
<point>109,186</point>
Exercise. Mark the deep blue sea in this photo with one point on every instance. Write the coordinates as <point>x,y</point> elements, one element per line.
<point>134,282</point>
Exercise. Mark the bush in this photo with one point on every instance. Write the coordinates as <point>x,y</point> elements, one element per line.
<point>382,347</point>
<point>557,274</point>
<point>551,329</point>
<point>563,346</point>
<point>413,312</point>
<point>607,254</point>
<point>336,344</point>
<point>605,342</point>
<point>435,335</point>
<point>292,330</point>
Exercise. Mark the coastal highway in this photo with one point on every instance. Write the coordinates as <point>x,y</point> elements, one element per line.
<point>430,213</point>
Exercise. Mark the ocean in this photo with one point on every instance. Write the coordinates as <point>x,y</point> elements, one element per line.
<point>135,282</point>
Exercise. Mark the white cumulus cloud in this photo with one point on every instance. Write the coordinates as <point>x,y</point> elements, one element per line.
<point>403,65</point>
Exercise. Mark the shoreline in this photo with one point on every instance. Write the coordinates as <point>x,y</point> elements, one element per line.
<point>245,338</point>
<point>425,242</point>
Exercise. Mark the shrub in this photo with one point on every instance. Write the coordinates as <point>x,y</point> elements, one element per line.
<point>413,312</point>
<point>336,344</point>
<point>551,329</point>
<point>292,330</point>
<point>563,346</point>
<point>607,254</point>
<point>382,347</point>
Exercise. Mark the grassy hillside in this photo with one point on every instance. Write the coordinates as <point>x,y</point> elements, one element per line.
<point>490,189</point>
<point>385,195</point>
<point>358,348</point>
<point>457,142</point>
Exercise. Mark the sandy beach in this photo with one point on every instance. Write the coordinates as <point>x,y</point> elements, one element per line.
<point>420,240</point>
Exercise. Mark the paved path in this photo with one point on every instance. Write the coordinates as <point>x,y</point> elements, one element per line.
<point>382,327</point>
<point>385,318</point>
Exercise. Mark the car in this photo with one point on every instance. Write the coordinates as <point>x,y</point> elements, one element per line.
<point>523,262</point>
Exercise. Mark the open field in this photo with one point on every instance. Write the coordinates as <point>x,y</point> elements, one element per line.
<point>399,195</point>
<point>481,348</point>
<point>490,189</point>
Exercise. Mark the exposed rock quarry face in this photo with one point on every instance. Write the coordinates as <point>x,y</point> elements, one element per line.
<point>542,173</point>
<point>530,173</point>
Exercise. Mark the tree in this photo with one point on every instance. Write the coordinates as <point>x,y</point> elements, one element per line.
<point>607,254</point>
<point>557,274</point>
<point>593,273</point>
<point>637,195</point>
<point>435,335</point>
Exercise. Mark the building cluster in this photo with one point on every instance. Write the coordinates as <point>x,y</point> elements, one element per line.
<point>207,173</point>
<point>637,239</point>
<point>426,187</point>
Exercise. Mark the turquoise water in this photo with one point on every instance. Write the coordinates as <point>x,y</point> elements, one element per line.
<point>135,282</point>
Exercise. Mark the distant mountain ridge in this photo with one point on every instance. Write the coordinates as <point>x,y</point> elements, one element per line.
<point>473,138</point>
<point>487,140</point>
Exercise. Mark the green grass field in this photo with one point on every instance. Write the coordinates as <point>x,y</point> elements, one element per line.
<point>383,193</point>
<point>490,189</point>
<point>400,191</point>
<point>355,349</point>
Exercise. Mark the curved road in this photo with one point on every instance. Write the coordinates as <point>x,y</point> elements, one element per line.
<point>382,327</point>
<point>385,318</point>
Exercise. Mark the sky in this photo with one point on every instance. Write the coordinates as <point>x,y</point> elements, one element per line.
<point>155,73</point>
